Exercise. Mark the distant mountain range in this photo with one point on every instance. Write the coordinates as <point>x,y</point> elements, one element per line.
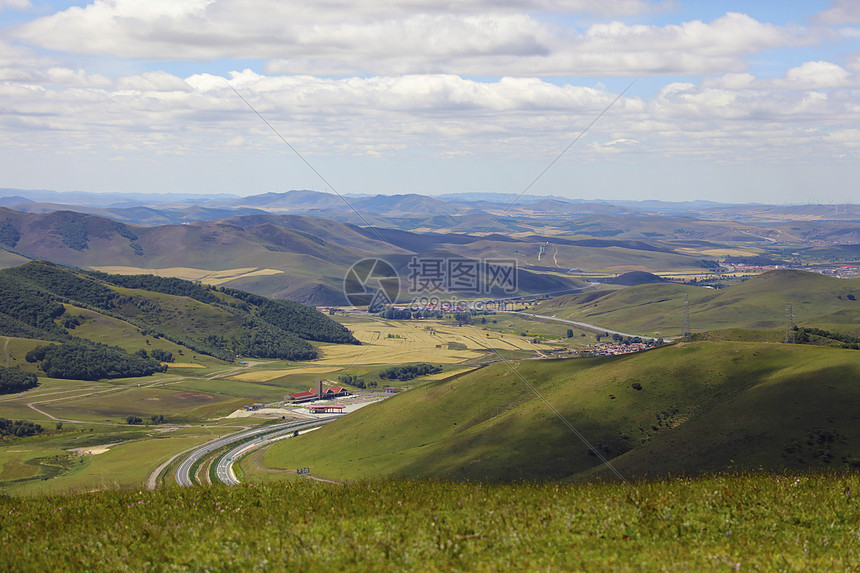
<point>284,256</point>
<point>299,244</point>
<point>468,212</point>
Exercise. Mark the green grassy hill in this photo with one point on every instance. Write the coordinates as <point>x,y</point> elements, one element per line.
<point>42,300</point>
<point>702,406</point>
<point>760,302</point>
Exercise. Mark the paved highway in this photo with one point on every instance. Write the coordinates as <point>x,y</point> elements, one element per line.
<point>224,465</point>
<point>583,325</point>
<point>183,470</point>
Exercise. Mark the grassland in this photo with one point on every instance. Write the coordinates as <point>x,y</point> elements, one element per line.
<point>704,406</point>
<point>595,257</point>
<point>420,341</point>
<point>87,458</point>
<point>759,303</point>
<point>13,350</point>
<point>266,375</point>
<point>545,330</point>
<point>200,390</point>
<point>108,330</point>
<point>207,276</point>
<point>781,522</point>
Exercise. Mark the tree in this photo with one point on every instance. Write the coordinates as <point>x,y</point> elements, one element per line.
<point>85,360</point>
<point>19,428</point>
<point>161,355</point>
<point>352,380</point>
<point>570,333</point>
<point>408,372</point>
<point>13,380</point>
<point>134,420</point>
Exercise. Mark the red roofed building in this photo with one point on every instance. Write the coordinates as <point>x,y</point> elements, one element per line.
<point>301,397</point>
<point>334,393</point>
<point>316,393</point>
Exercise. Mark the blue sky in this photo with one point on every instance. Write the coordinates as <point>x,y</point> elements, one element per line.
<point>731,101</point>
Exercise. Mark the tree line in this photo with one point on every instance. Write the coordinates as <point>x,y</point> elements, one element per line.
<point>83,360</point>
<point>19,428</point>
<point>409,371</point>
<point>13,380</point>
<point>303,321</point>
<point>847,340</point>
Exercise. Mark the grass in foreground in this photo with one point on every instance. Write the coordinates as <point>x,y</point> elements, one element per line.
<point>750,521</point>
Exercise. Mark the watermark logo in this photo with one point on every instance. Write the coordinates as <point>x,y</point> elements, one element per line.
<point>431,275</point>
<point>373,283</point>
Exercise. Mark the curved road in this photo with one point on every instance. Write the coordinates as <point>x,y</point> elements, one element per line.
<point>183,470</point>
<point>583,325</point>
<point>224,465</point>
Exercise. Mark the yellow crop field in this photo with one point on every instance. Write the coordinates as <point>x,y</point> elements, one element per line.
<point>720,252</point>
<point>392,343</point>
<point>184,365</point>
<point>189,273</point>
<point>266,375</point>
<point>442,375</point>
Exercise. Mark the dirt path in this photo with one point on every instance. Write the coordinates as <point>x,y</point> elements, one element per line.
<point>324,480</point>
<point>585,325</point>
<point>32,405</point>
<point>6,351</point>
<point>152,480</point>
<point>100,391</point>
<point>35,393</point>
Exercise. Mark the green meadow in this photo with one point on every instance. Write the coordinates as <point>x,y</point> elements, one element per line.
<point>682,409</point>
<point>748,521</point>
<point>759,303</point>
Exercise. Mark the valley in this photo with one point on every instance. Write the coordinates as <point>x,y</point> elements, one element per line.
<point>612,350</point>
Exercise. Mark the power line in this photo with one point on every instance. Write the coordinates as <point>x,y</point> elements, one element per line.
<point>558,157</point>
<point>305,161</point>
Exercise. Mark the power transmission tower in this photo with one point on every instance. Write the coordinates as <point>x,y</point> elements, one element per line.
<point>789,325</point>
<point>686,325</point>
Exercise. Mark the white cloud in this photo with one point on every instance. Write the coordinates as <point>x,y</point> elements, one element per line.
<point>840,12</point>
<point>153,81</point>
<point>15,5</point>
<point>469,38</point>
<point>17,63</point>
<point>734,118</point>
<point>816,75</point>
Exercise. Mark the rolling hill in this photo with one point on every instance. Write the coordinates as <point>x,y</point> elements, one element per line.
<point>40,300</point>
<point>283,256</point>
<point>699,407</point>
<point>758,303</point>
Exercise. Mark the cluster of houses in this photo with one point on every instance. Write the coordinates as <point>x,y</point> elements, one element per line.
<point>614,349</point>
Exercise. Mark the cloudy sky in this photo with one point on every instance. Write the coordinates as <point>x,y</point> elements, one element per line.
<point>742,101</point>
